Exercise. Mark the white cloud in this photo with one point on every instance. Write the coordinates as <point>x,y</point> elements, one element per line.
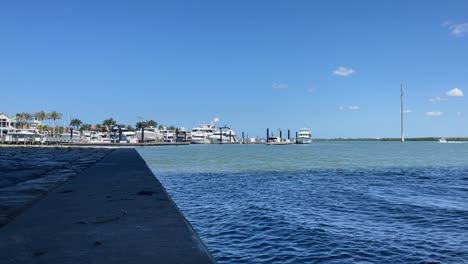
<point>434,113</point>
<point>354,107</point>
<point>446,23</point>
<point>455,92</point>
<point>407,111</point>
<point>279,85</point>
<point>459,30</point>
<point>438,99</point>
<point>343,71</point>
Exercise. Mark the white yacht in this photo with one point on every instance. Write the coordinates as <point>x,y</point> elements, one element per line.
<point>442,140</point>
<point>24,135</point>
<point>304,137</point>
<point>150,134</point>
<point>68,135</point>
<point>224,135</point>
<point>201,134</point>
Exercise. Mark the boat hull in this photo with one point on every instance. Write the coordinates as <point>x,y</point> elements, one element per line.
<point>304,141</point>
<point>200,141</point>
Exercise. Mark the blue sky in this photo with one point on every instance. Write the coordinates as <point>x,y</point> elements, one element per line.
<point>332,66</point>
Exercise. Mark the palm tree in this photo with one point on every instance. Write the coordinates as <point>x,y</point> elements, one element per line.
<point>19,119</point>
<point>139,125</point>
<point>27,117</point>
<point>54,115</point>
<point>151,123</point>
<point>85,127</point>
<point>109,123</point>
<point>75,123</point>
<point>23,119</point>
<point>40,116</point>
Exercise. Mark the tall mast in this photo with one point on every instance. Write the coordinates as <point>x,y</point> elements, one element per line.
<point>401,110</point>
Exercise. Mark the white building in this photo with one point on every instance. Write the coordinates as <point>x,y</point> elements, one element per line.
<point>5,124</point>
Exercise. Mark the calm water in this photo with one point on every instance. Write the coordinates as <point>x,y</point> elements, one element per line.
<point>328,202</point>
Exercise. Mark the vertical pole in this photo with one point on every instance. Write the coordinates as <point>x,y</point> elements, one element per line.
<point>242,137</point>
<point>289,134</point>
<point>185,136</point>
<point>176,135</point>
<point>71,133</point>
<point>220,136</point>
<point>120,133</point>
<point>230,136</point>
<point>142,133</point>
<point>401,110</point>
<point>281,136</point>
<point>268,134</point>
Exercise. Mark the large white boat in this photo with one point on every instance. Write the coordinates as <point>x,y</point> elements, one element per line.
<point>304,136</point>
<point>150,134</point>
<point>224,135</point>
<point>24,136</point>
<point>201,134</point>
<point>443,140</point>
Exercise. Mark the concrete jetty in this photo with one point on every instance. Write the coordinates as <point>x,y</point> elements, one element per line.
<point>113,212</point>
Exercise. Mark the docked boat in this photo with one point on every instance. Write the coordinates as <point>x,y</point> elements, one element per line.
<point>304,136</point>
<point>150,134</point>
<point>73,135</point>
<point>24,136</point>
<point>201,134</point>
<point>224,135</point>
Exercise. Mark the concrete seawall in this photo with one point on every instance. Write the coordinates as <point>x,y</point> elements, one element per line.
<point>114,212</point>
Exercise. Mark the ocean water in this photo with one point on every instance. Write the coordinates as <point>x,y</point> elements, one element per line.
<point>328,202</point>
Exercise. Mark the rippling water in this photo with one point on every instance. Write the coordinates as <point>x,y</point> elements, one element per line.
<point>328,202</point>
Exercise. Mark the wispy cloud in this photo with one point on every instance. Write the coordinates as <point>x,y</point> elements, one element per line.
<point>455,92</point>
<point>343,71</point>
<point>438,99</point>
<point>351,107</point>
<point>434,113</point>
<point>457,30</point>
<point>279,85</point>
<point>407,111</point>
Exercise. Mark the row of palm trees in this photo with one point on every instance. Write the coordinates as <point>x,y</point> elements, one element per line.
<point>75,123</point>
<point>24,118</point>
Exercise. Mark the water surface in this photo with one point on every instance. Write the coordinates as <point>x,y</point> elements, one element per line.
<point>328,202</point>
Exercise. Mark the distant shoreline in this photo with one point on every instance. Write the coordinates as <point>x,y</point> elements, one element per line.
<point>393,139</point>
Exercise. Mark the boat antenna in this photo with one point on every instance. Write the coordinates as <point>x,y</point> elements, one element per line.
<point>401,110</point>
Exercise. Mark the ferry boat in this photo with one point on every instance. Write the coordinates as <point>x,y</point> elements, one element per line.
<point>224,135</point>
<point>304,137</point>
<point>201,134</point>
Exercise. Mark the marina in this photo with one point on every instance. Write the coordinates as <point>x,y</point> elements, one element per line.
<point>233,132</point>
<point>13,132</point>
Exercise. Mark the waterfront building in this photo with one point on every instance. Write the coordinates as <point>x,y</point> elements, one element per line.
<point>6,124</point>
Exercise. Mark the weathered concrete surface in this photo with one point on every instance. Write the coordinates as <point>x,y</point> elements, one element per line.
<point>114,212</point>
<point>27,174</point>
